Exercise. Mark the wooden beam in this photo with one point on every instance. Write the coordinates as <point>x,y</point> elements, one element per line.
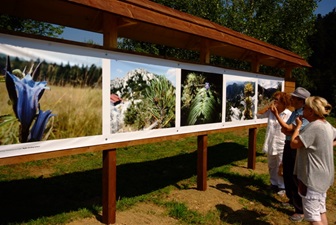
<point>109,186</point>
<point>205,52</point>
<point>202,159</point>
<point>110,31</point>
<point>288,73</point>
<point>255,65</point>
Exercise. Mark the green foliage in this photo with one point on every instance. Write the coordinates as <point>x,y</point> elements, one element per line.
<point>190,89</point>
<point>156,108</point>
<point>200,104</point>
<point>203,108</point>
<point>30,26</point>
<point>61,75</point>
<point>286,24</point>
<point>160,97</point>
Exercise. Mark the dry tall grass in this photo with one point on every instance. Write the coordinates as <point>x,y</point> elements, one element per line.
<point>78,111</point>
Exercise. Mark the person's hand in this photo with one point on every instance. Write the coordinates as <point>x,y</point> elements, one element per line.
<point>274,110</point>
<point>298,121</point>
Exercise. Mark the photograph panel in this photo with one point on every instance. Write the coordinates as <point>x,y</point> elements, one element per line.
<point>201,97</point>
<point>47,95</point>
<point>266,89</point>
<point>142,96</point>
<point>240,98</point>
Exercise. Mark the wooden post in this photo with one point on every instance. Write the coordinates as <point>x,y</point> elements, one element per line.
<point>252,144</point>
<point>109,156</point>
<point>109,186</point>
<point>289,81</point>
<point>202,153</point>
<point>252,148</point>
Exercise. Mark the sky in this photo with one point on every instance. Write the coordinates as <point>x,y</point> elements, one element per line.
<point>324,7</point>
<point>121,68</point>
<point>48,56</point>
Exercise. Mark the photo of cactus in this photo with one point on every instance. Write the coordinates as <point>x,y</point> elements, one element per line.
<point>201,97</point>
<point>142,96</point>
<point>240,98</point>
<point>48,95</point>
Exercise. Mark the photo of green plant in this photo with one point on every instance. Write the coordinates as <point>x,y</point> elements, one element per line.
<point>142,96</point>
<point>48,95</point>
<point>240,99</point>
<point>201,97</point>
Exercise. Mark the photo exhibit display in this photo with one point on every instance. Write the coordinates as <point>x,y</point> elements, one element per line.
<point>57,96</point>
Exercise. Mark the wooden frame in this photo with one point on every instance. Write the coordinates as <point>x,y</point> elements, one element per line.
<point>119,19</point>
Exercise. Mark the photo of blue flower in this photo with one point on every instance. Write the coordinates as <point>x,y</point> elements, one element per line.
<point>25,94</point>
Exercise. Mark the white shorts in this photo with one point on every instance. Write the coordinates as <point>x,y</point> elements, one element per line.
<point>314,204</point>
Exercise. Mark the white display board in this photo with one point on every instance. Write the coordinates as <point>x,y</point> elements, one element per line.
<point>83,97</point>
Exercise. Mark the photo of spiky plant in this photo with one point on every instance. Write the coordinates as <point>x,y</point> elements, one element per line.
<point>48,95</point>
<point>266,89</point>
<point>142,96</point>
<point>240,99</point>
<point>201,97</point>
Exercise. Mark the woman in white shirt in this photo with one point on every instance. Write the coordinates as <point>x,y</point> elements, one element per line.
<point>275,139</point>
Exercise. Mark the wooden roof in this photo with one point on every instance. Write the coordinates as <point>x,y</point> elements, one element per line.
<point>147,21</point>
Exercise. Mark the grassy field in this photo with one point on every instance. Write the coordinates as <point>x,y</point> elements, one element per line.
<point>61,190</point>
<point>78,112</point>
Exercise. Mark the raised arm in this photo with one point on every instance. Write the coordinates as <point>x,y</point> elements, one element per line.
<point>286,128</point>
<point>296,141</point>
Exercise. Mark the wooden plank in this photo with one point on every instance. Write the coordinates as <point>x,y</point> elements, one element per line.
<point>202,159</point>
<point>109,186</point>
<point>289,86</point>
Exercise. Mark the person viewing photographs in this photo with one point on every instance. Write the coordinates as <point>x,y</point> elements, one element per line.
<point>314,166</point>
<point>275,139</point>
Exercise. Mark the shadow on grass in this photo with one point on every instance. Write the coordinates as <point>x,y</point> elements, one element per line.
<point>241,186</point>
<point>25,200</point>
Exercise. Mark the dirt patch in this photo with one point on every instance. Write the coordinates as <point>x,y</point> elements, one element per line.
<point>217,193</point>
<point>142,213</point>
<point>230,203</point>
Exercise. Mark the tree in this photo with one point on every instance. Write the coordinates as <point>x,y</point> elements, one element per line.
<point>284,23</point>
<point>323,44</point>
<point>29,26</point>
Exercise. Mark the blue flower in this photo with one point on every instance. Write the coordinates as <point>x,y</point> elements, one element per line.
<point>40,125</point>
<point>207,86</point>
<point>25,94</point>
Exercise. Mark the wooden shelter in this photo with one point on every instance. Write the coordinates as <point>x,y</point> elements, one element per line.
<point>150,22</point>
